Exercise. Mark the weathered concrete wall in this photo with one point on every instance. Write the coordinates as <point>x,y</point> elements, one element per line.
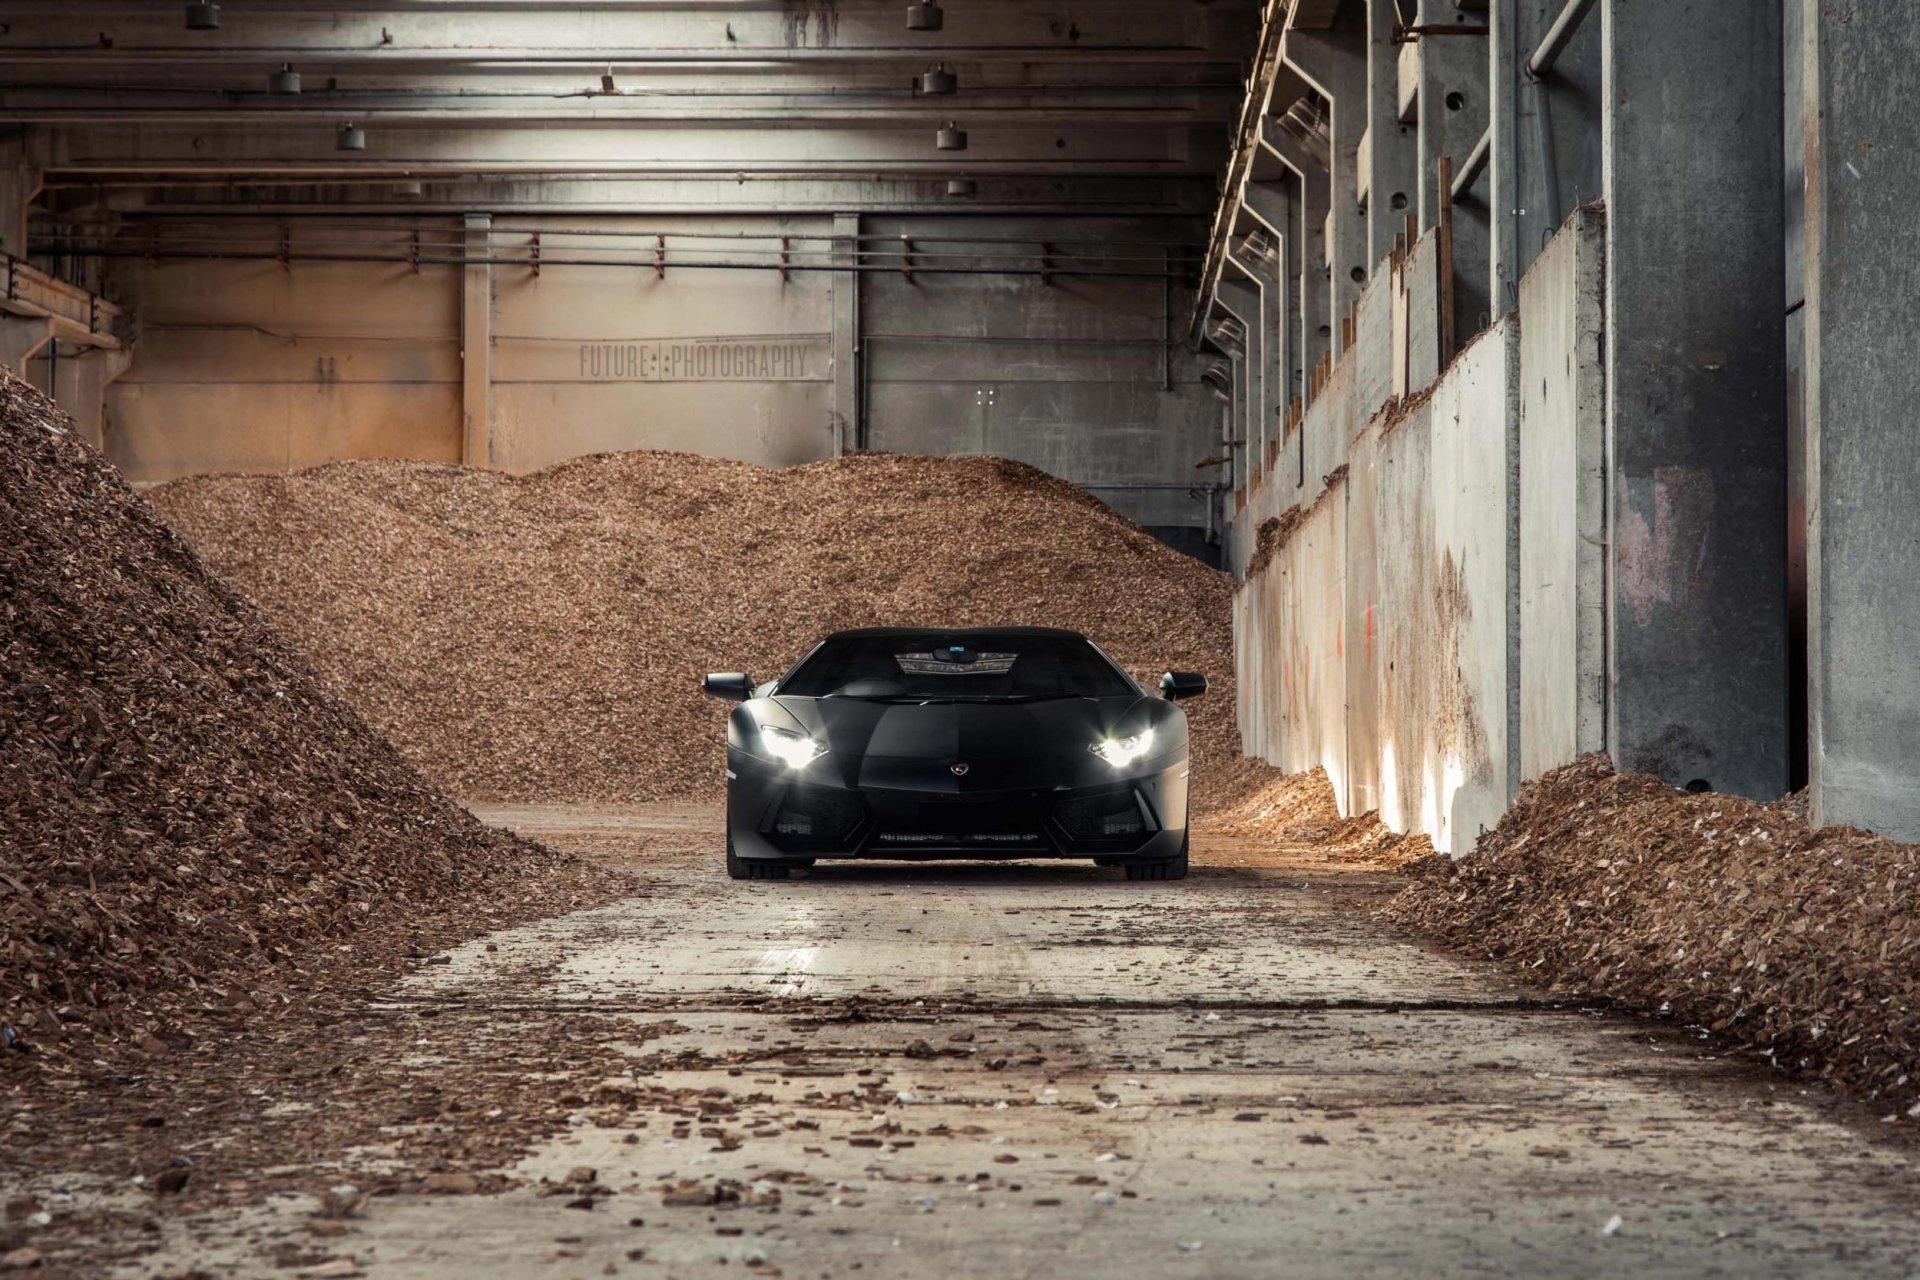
<point>1075,375</point>
<point>726,362</point>
<point>255,366</point>
<point>1563,501</point>
<point>260,366</point>
<point>1419,546</point>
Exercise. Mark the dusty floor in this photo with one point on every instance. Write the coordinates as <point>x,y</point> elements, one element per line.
<point>965,1070</point>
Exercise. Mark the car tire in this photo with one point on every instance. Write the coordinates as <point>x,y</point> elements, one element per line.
<point>748,869</point>
<point>1174,868</point>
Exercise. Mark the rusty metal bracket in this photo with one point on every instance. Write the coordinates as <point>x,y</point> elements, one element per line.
<point>659,257</point>
<point>534,258</point>
<point>413,254</point>
<point>786,258</point>
<point>906,258</point>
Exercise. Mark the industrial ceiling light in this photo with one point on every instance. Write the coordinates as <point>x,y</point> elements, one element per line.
<point>203,15</point>
<point>951,137</point>
<point>285,81</point>
<point>962,187</point>
<point>925,15</point>
<point>408,189</point>
<point>940,81</point>
<point>1218,377</point>
<point>350,138</point>
<point>606,82</point>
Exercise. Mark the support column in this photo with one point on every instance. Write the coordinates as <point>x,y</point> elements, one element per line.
<point>845,286</point>
<point>1862,313</point>
<point>1391,143</point>
<point>1452,117</point>
<point>1273,205</point>
<point>1696,393</point>
<point>1546,158</point>
<point>80,388</point>
<point>1243,300</point>
<point>21,339</point>
<point>476,343</point>
<point>1311,195</point>
<point>19,185</point>
<point>1333,61</point>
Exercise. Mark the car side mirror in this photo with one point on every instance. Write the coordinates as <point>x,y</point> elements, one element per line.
<point>1176,685</point>
<point>734,686</point>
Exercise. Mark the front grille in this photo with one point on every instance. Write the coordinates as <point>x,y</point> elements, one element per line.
<point>969,824</point>
<point>1116,817</point>
<point>817,817</point>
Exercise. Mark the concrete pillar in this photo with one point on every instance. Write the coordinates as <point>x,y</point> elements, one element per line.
<point>21,339</point>
<point>476,343</point>
<point>1311,195</point>
<point>19,185</point>
<point>1545,161</point>
<point>1333,62</point>
<point>845,323</point>
<point>1862,70</point>
<point>80,388</point>
<point>1272,203</point>
<point>1268,275</point>
<point>1453,115</point>
<point>1696,393</point>
<point>1391,179</point>
<point>1243,300</point>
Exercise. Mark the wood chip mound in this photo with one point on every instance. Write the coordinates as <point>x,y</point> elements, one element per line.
<point>542,637</point>
<point>185,811</point>
<point>1718,911</point>
<point>1300,809</point>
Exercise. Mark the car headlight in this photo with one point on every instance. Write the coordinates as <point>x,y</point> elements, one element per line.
<point>794,750</point>
<point>1121,752</point>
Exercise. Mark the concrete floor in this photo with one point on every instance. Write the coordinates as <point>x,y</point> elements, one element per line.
<point>1026,1071</point>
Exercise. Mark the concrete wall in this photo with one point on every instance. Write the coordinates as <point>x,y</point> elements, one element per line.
<point>255,366</point>
<point>260,365</point>
<point>733,363</point>
<point>1563,502</point>
<point>1079,375</point>
<point>1415,565</point>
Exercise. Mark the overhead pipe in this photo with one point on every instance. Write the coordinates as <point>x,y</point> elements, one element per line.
<point>1554,43</point>
<point>1476,164</point>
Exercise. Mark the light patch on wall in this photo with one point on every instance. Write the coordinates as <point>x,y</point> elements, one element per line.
<point>1390,788</point>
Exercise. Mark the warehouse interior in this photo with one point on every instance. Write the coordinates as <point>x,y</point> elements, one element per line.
<point>1505,403</point>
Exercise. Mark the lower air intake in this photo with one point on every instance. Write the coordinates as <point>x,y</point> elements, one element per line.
<point>817,817</point>
<point>1117,816</point>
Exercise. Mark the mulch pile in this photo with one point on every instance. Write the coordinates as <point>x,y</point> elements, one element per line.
<point>186,813</point>
<point>1299,809</point>
<point>542,637</point>
<point>1718,911</point>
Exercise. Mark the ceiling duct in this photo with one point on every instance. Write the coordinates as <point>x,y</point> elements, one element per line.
<point>203,15</point>
<point>925,16</point>
<point>940,81</point>
<point>350,138</point>
<point>285,82</point>
<point>951,137</point>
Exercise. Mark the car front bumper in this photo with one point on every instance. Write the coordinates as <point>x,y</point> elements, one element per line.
<point>777,815</point>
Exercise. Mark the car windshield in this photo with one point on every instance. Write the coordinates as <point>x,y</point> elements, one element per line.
<point>968,667</point>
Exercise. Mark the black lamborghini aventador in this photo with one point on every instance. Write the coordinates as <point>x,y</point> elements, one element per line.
<point>1019,742</point>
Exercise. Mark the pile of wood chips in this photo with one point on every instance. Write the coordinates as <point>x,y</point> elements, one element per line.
<point>1718,911</point>
<point>185,811</point>
<point>542,637</point>
<point>1300,810</point>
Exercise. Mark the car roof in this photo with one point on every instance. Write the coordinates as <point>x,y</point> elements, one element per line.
<point>914,632</point>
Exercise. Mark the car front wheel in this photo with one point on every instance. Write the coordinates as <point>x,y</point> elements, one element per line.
<point>748,869</point>
<point>1174,868</point>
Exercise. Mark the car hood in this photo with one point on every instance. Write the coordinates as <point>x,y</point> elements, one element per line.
<point>1001,745</point>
